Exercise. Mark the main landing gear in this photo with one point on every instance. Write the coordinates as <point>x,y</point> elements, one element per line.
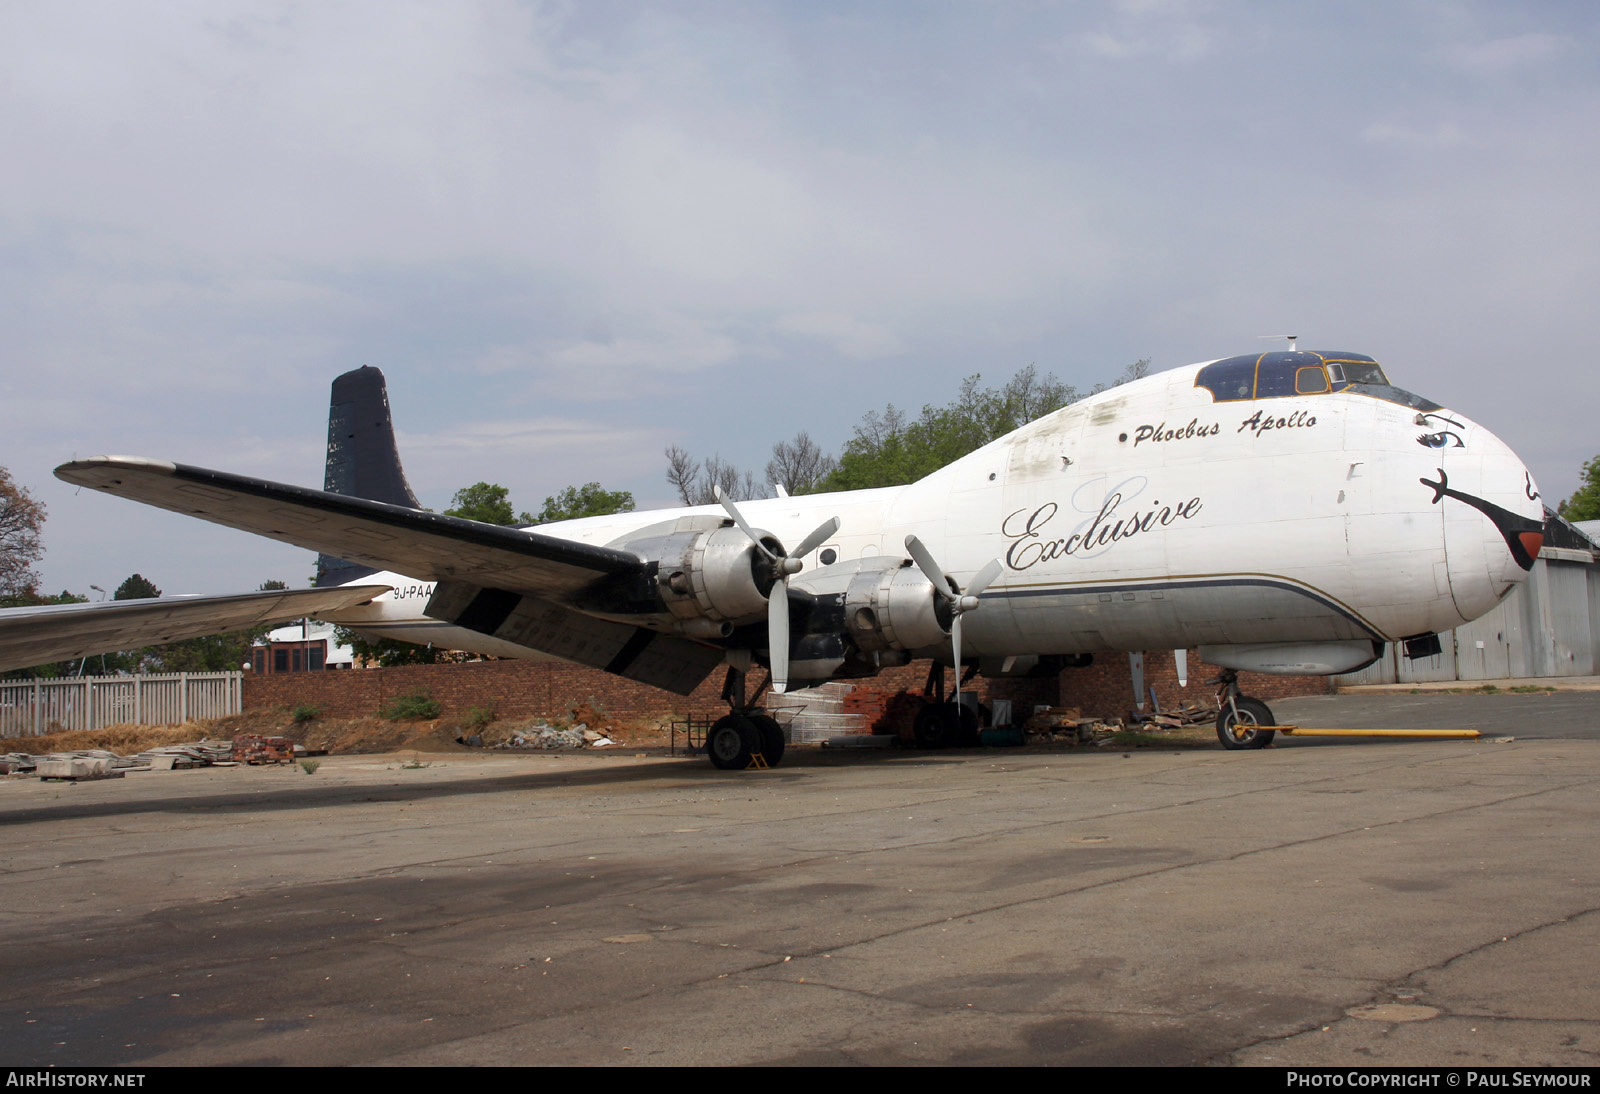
<point>1239,717</point>
<point>746,735</point>
<point>944,723</point>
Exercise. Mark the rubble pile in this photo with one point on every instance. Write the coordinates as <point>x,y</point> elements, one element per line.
<point>543,735</point>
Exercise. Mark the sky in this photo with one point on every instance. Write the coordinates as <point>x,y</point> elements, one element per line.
<point>575,234</point>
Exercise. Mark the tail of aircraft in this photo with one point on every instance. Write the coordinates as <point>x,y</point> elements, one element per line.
<point>363,461</point>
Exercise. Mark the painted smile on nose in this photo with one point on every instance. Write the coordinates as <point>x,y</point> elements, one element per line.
<point>1523,537</point>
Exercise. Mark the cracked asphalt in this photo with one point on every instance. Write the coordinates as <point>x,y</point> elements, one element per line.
<point>1392,903</point>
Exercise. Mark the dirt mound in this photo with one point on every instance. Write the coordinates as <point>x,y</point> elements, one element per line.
<point>338,735</point>
<point>125,740</point>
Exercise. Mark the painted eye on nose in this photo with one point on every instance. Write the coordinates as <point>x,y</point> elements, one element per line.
<point>1441,439</point>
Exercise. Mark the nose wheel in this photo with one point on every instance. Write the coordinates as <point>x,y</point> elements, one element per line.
<point>1239,724</point>
<point>1240,718</point>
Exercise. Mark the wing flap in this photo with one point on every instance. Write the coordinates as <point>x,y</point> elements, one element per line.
<point>428,546</point>
<point>665,661</point>
<point>58,632</point>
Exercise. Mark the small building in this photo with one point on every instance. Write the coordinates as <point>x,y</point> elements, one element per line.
<point>1547,626</point>
<point>300,647</point>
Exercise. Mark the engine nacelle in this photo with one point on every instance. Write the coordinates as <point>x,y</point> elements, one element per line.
<point>708,573</point>
<point>894,609</point>
<point>880,603</point>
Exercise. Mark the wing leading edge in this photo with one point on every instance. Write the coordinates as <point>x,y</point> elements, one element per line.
<point>427,546</point>
<point>520,586</point>
<point>59,632</point>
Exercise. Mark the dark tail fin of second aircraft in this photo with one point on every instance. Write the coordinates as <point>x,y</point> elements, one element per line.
<point>363,460</point>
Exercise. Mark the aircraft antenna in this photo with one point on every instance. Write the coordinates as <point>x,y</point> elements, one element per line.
<point>1280,337</point>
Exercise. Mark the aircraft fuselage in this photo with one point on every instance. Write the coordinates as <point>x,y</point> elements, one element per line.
<point>1285,498</point>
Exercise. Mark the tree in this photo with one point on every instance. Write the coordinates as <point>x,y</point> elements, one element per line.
<point>697,483</point>
<point>588,500</point>
<point>21,518</point>
<point>888,448</point>
<point>1585,503</point>
<point>799,465</point>
<point>136,587</point>
<point>485,502</point>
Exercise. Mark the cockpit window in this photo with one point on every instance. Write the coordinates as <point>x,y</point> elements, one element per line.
<point>1281,374</point>
<point>1311,380</point>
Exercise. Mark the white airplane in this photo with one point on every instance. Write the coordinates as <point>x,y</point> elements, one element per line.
<point>1285,512</point>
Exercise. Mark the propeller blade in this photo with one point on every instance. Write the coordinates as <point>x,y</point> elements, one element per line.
<point>1136,669</point>
<point>1180,661</point>
<point>930,569</point>
<point>955,648</point>
<point>985,578</point>
<point>738,518</point>
<point>822,532</point>
<point>778,636</point>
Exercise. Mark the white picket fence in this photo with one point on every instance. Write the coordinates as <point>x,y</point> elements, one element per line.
<point>29,708</point>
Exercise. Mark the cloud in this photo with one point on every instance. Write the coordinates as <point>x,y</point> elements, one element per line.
<point>851,337</point>
<point>1167,30</point>
<point>1443,135</point>
<point>1502,55</point>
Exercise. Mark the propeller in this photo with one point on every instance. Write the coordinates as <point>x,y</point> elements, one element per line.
<point>784,567</point>
<point>958,600</point>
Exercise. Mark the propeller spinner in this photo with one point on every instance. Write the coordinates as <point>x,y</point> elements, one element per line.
<point>784,566</point>
<point>959,601</point>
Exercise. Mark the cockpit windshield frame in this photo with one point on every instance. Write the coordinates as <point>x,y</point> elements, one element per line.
<point>1282,374</point>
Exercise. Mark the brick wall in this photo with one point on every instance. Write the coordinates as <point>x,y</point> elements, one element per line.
<point>552,688</point>
<point>1105,688</point>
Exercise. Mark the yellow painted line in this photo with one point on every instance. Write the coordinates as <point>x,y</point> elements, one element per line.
<point>1454,734</point>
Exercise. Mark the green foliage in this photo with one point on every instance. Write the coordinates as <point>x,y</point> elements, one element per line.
<point>588,500</point>
<point>478,718</point>
<point>304,713</point>
<point>483,501</point>
<point>21,519</point>
<point>310,766</point>
<point>388,652</point>
<point>889,450</point>
<point>137,587</point>
<point>1585,503</point>
<point>417,704</point>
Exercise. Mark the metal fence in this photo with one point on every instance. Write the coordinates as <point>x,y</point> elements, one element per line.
<point>1548,626</point>
<point>29,708</point>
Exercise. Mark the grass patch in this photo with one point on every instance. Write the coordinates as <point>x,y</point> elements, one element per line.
<point>310,766</point>
<point>304,713</point>
<point>416,705</point>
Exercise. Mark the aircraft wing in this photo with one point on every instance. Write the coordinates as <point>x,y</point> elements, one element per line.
<point>57,632</point>
<point>427,546</point>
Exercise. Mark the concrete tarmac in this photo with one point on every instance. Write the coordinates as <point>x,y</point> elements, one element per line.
<point>1351,904</point>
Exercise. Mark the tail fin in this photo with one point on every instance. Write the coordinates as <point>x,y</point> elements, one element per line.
<point>363,461</point>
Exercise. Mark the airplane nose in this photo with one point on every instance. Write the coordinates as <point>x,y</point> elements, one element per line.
<point>1493,519</point>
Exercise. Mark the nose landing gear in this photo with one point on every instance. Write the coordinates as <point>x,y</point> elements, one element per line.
<point>1240,718</point>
